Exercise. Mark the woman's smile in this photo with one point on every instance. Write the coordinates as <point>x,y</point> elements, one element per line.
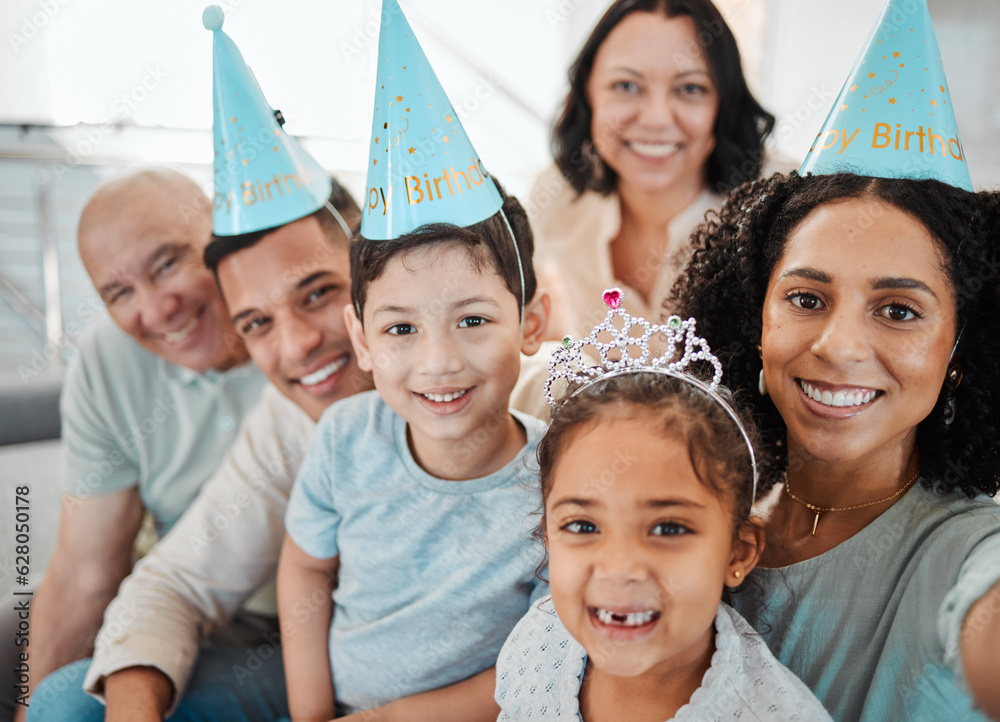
<point>856,330</point>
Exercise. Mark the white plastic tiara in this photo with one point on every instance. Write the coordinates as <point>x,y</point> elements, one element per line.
<point>618,356</point>
<point>683,348</point>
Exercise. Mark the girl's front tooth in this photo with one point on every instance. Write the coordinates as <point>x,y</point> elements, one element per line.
<point>826,398</point>
<point>839,398</point>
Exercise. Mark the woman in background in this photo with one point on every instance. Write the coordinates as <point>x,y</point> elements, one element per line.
<point>658,125</point>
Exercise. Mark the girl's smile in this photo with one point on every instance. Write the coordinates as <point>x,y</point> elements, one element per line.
<point>638,556</point>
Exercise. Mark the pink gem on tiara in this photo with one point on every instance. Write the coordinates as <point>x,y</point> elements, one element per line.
<point>613,297</point>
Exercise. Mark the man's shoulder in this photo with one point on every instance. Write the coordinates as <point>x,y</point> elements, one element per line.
<point>276,419</point>
<point>106,346</point>
<point>108,365</point>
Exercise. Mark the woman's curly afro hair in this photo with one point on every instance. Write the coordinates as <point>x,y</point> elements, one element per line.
<point>737,249</point>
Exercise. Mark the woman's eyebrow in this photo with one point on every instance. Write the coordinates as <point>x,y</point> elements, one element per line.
<point>809,274</point>
<point>887,283</point>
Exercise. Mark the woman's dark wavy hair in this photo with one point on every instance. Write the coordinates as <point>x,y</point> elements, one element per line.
<point>740,126</point>
<point>737,248</point>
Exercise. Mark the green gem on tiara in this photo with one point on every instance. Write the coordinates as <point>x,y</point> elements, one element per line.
<point>674,322</point>
<point>567,341</point>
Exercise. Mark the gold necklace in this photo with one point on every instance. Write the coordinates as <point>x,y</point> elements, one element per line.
<point>821,510</point>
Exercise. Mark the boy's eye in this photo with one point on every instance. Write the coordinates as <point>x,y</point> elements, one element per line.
<point>402,329</point>
<point>580,527</point>
<point>669,528</point>
<point>471,322</point>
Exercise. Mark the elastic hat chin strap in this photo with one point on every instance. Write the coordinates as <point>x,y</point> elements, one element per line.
<point>339,218</point>
<point>520,265</point>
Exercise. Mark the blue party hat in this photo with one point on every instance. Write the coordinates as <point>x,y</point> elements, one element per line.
<point>894,117</point>
<point>263,177</point>
<point>423,168</point>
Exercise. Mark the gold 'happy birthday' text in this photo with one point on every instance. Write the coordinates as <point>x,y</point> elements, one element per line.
<point>921,140</point>
<point>430,188</point>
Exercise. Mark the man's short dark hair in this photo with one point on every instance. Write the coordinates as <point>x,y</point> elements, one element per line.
<point>222,246</point>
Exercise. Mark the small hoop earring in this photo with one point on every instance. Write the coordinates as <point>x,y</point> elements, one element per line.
<point>761,386</point>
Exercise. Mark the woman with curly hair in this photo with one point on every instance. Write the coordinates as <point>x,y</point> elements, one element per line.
<point>859,318</point>
<point>658,125</point>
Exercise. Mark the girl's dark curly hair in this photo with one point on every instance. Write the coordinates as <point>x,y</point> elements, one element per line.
<point>741,124</point>
<point>737,248</point>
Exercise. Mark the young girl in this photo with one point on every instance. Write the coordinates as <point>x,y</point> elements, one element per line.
<point>647,479</point>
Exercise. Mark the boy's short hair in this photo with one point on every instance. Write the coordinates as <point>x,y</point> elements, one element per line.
<point>221,247</point>
<point>488,243</point>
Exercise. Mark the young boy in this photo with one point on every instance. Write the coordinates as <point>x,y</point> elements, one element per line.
<point>419,495</point>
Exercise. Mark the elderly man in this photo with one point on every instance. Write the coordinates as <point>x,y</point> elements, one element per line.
<point>150,405</point>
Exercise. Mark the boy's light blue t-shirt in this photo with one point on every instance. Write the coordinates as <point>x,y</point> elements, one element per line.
<point>433,574</point>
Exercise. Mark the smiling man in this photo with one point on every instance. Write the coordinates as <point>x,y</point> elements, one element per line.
<point>287,292</point>
<point>149,406</point>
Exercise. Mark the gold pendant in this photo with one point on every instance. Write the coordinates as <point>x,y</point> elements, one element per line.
<point>815,522</point>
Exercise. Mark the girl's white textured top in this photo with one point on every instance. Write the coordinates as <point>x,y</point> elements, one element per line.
<point>541,667</point>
